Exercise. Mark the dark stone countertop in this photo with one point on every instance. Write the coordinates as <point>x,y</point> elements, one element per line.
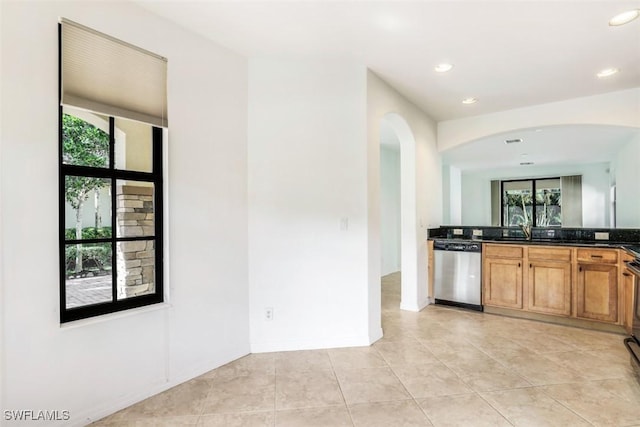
<point>628,239</point>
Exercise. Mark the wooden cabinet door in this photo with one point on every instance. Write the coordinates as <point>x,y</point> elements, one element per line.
<point>597,292</point>
<point>503,282</point>
<point>628,286</point>
<point>550,287</point>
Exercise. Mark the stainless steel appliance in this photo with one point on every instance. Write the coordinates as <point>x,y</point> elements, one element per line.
<point>633,342</point>
<point>458,273</point>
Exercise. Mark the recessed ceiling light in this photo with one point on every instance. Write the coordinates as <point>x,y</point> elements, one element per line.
<point>526,163</point>
<point>443,68</point>
<point>624,17</point>
<point>607,72</point>
<point>512,141</point>
<point>469,101</point>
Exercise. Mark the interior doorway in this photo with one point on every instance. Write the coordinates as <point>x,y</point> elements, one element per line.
<point>389,200</point>
<point>399,225</point>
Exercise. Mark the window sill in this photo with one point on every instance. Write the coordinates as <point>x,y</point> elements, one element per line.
<point>113,316</point>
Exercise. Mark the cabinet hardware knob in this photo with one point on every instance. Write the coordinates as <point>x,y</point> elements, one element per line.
<point>596,256</point>
<point>518,265</point>
<point>626,274</point>
<point>530,265</point>
<point>579,268</point>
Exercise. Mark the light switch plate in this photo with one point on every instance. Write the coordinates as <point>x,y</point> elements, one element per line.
<point>477,232</point>
<point>457,231</point>
<point>602,236</point>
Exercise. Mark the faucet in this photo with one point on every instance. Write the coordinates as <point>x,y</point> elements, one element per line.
<point>526,229</point>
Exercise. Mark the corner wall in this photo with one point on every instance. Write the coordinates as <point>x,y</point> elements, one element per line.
<point>307,204</point>
<point>627,177</point>
<point>382,99</point>
<point>93,368</point>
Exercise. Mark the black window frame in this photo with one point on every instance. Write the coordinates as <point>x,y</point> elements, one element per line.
<point>533,193</point>
<point>111,173</point>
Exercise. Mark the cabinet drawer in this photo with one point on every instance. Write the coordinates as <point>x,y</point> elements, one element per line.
<point>608,256</point>
<point>503,251</point>
<point>549,254</point>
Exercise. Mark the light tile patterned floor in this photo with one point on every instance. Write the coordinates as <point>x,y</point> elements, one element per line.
<point>439,367</point>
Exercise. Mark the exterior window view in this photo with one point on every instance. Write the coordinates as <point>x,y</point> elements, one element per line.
<point>110,213</point>
<point>518,203</point>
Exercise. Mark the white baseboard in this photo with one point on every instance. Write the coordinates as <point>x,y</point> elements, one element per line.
<point>375,336</point>
<point>415,307</point>
<point>312,344</point>
<point>93,414</point>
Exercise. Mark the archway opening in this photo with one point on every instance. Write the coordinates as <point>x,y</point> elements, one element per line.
<point>399,225</point>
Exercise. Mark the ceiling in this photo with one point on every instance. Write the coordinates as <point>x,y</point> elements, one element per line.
<point>507,54</point>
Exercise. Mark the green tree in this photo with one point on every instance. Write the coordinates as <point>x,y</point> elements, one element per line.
<point>85,145</point>
<point>518,205</point>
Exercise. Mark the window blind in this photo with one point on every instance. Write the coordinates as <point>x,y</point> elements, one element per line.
<point>106,75</point>
<point>571,187</point>
<point>496,200</point>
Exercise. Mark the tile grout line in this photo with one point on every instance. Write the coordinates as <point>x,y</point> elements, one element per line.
<point>344,399</point>
<point>275,388</point>
<point>465,382</point>
<point>563,405</point>
<point>494,408</point>
<point>413,398</point>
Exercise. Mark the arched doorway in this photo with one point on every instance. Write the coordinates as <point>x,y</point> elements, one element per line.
<point>395,132</point>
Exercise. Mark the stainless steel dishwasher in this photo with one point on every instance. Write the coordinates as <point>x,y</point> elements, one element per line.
<point>458,273</point>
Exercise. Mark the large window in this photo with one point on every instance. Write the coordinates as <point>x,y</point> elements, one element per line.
<point>537,202</point>
<point>111,214</point>
<point>111,114</point>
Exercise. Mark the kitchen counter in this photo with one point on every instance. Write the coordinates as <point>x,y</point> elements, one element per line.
<point>625,238</point>
<point>560,275</point>
<point>542,242</point>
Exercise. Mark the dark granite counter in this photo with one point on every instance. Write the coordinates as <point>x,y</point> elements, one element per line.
<point>626,238</point>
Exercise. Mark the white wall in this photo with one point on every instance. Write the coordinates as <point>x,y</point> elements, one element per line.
<point>390,208</point>
<point>476,191</point>
<point>424,164</point>
<point>307,204</point>
<point>99,366</point>
<point>627,177</point>
<point>451,194</point>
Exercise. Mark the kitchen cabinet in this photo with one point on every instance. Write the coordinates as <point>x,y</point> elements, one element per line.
<point>502,276</point>
<point>597,284</point>
<point>582,283</point>
<point>628,281</point>
<point>549,280</point>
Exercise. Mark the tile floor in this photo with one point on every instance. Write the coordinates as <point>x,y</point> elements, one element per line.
<point>439,367</point>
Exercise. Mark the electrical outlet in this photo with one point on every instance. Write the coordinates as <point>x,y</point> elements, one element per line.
<point>457,231</point>
<point>602,236</point>
<point>268,313</point>
<point>477,233</point>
